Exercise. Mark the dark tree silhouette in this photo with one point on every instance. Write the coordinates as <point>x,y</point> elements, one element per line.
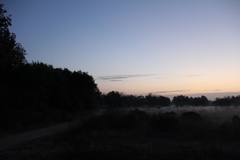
<point>180,100</point>
<point>185,100</point>
<point>114,99</point>
<point>38,85</point>
<point>12,54</point>
<point>153,100</point>
<point>134,101</point>
<point>199,101</point>
<point>117,99</point>
<point>227,101</point>
<point>236,100</point>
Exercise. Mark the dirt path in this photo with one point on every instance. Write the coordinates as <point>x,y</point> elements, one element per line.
<point>11,141</point>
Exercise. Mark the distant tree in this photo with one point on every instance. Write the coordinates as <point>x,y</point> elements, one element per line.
<point>164,101</point>
<point>225,101</point>
<point>235,100</point>
<point>153,100</point>
<point>140,101</point>
<point>204,101</point>
<point>114,99</point>
<point>181,100</point>
<point>199,101</point>
<point>128,100</point>
<point>185,100</point>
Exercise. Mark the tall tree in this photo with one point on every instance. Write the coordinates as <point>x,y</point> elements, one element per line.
<point>12,54</point>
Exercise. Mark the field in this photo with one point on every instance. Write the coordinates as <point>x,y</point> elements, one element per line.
<point>199,133</point>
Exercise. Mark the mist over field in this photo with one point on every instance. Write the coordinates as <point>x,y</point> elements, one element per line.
<point>216,114</point>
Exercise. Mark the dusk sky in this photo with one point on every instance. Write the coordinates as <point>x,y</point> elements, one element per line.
<point>165,47</point>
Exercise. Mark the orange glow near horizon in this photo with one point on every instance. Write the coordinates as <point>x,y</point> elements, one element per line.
<point>180,85</point>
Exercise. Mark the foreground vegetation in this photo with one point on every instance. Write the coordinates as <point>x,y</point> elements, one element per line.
<point>141,136</point>
<point>138,135</point>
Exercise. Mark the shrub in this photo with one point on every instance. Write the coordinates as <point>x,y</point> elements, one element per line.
<point>191,121</point>
<point>166,122</point>
<point>191,116</point>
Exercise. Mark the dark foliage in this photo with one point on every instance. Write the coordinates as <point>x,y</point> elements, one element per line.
<point>191,116</point>
<point>227,101</point>
<point>161,136</point>
<point>191,120</point>
<point>116,99</point>
<point>185,100</point>
<point>157,100</point>
<point>199,101</point>
<point>166,122</point>
<point>203,101</point>
<point>12,54</point>
<point>180,100</point>
<point>39,86</point>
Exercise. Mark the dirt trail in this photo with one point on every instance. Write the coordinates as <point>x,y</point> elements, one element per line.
<point>11,141</point>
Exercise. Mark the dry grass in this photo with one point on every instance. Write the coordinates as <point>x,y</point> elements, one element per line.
<point>136,136</point>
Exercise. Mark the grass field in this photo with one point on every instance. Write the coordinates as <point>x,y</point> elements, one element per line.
<point>137,134</point>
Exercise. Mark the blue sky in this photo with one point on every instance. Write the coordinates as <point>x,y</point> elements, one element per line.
<point>166,47</point>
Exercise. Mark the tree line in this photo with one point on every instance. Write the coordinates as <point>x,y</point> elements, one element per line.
<point>117,99</point>
<point>38,85</point>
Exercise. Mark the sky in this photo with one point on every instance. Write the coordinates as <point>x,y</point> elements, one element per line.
<point>163,47</point>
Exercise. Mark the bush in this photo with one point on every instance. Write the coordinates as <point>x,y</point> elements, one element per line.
<point>166,122</point>
<point>191,116</point>
<point>191,122</point>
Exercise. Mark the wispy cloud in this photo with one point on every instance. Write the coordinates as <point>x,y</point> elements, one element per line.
<point>117,78</point>
<point>181,76</point>
<point>114,78</point>
<point>192,75</point>
<point>171,91</point>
